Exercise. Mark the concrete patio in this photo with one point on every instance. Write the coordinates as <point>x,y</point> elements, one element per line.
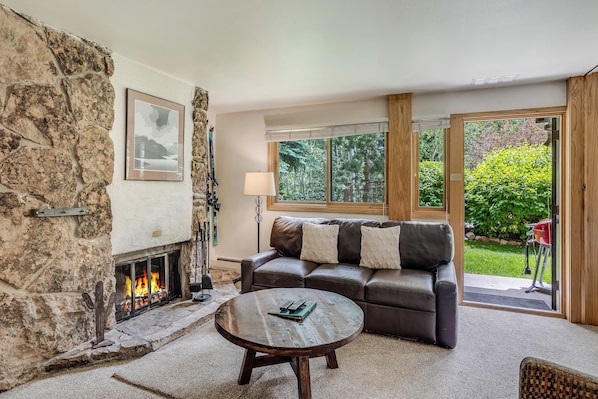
<point>510,287</point>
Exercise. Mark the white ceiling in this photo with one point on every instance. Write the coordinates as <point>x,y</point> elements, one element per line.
<point>252,54</point>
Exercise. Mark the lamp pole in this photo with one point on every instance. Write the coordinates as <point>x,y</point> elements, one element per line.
<point>259,184</point>
<point>258,218</point>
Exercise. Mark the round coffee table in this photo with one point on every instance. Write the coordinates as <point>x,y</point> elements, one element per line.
<point>244,321</point>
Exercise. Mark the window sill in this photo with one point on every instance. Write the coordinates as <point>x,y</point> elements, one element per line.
<point>357,208</point>
<point>436,214</point>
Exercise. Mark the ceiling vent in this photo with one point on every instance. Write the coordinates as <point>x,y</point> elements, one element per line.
<point>494,80</point>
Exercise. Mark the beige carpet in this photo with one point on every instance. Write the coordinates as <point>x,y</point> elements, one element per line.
<point>484,364</point>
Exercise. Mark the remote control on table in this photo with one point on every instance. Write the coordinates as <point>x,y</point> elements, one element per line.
<point>296,305</point>
<point>286,305</point>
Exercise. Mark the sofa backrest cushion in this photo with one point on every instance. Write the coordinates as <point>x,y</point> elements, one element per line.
<point>424,246</point>
<point>320,243</point>
<point>349,238</point>
<point>380,247</point>
<point>287,232</point>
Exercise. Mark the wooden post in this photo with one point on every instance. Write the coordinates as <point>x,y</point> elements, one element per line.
<point>399,155</point>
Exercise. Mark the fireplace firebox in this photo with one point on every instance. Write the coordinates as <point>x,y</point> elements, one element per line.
<point>145,283</point>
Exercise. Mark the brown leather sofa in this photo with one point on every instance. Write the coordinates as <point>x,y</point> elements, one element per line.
<point>417,301</point>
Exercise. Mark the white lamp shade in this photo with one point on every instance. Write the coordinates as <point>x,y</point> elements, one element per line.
<point>259,183</point>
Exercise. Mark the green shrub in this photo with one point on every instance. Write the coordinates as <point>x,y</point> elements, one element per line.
<point>510,188</point>
<point>431,183</point>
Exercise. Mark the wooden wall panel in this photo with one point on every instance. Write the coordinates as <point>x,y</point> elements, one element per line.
<point>399,157</point>
<point>573,237</point>
<point>456,201</point>
<point>582,266</point>
<point>589,273</point>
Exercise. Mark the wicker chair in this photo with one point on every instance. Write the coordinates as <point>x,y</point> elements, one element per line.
<point>540,379</point>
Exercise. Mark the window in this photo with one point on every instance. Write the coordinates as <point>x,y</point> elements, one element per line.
<point>302,170</point>
<point>357,168</point>
<point>343,173</point>
<point>430,176</point>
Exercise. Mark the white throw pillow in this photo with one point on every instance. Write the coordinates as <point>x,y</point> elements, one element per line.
<point>380,247</point>
<point>320,243</point>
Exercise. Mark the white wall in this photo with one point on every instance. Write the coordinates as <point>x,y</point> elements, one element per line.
<point>498,99</point>
<point>240,147</point>
<point>140,208</point>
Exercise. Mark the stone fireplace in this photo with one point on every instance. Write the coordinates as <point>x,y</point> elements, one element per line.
<point>57,109</point>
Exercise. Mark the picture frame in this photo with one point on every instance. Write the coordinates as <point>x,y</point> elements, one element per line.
<point>155,134</point>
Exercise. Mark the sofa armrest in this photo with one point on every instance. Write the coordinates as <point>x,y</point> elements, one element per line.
<point>250,263</point>
<point>446,305</point>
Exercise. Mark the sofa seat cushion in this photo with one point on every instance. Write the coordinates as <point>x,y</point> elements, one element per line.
<point>404,288</point>
<point>343,278</point>
<point>283,272</point>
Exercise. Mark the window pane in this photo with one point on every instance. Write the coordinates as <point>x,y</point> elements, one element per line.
<point>302,170</point>
<point>358,168</point>
<point>431,168</point>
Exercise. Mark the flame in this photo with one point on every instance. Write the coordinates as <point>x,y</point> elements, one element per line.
<point>141,285</point>
<point>141,297</point>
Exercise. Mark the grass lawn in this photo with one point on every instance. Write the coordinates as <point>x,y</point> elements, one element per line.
<point>500,260</point>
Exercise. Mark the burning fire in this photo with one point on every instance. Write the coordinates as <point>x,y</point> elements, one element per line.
<point>141,297</point>
<point>141,285</point>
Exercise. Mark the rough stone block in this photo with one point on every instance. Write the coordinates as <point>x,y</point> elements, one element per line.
<point>45,173</point>
<point>95,152</point>
<point>75,55</point>
<point>82,264</point>
<point>40,114</point>
<point>98,221</point>
<point>199,174</point>
<point>199,141</point>
<point>200,99</point>
<point>25,56</point>
<point>92,100</point>
<point>28,244</point>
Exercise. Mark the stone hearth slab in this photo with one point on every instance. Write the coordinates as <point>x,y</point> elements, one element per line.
<point>150,330</point>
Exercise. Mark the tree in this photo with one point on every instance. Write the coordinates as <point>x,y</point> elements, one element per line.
<point>431,183</point>
<point>302,170</point>
<point>482,137</point>
<point>431,145</point>
<point>510,188</point>
<point>358,168</point>
<point>431,168</point>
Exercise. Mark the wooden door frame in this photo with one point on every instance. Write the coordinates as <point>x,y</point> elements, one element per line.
<point>456,199</point>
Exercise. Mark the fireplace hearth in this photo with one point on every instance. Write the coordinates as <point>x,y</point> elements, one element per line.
<point>145,283</point>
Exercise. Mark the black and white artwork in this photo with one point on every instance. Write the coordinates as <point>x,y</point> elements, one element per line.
<point>154,138</point>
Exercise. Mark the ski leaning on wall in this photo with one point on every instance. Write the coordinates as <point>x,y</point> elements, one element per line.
<point>212,199</point>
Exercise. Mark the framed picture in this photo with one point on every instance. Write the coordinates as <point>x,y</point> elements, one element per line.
<point>154,138</point>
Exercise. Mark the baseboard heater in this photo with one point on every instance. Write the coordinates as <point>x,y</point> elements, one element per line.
<point>229,260</point>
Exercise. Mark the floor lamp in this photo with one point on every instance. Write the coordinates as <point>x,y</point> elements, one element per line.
<point>258,184</point>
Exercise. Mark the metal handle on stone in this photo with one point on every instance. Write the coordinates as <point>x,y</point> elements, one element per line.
<point>60,212</point>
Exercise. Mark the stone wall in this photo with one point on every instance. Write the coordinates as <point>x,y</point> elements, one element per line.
<point>56,111</point>
<point>199,162</point>
<point>199,174</point>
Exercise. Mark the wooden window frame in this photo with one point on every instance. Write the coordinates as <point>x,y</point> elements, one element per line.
<point>273,204</point>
